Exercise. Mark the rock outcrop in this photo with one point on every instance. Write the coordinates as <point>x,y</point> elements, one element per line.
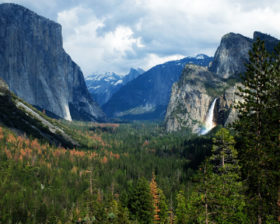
<point>197,88</point>
<point>191,98</point>
<point>37,69</point>
<point>225,113</point>
<point>187,93</point>
<point>231,55</point>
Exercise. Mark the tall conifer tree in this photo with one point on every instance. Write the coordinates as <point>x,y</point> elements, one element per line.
<point>140,202</point>
<point>229,201</point>
<point>258,133</point>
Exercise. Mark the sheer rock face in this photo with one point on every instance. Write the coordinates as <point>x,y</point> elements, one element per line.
<point>37,69</point>
<point>189,92</point>
<point>192,95</point>
<point>231,55</point>
<point>225,113</point>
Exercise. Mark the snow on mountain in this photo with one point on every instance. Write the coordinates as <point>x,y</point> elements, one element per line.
<point>103,86</point>
<point>147,96</point>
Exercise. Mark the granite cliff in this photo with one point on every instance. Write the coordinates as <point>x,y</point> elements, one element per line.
<point>198,87</point>
<point>37,69</point>
<point>231,55</point>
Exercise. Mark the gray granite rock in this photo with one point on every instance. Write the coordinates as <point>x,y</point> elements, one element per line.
<point>191,98</point>
<point>37,69</point>
<point>231,55</point>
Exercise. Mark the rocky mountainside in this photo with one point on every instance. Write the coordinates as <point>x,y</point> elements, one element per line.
<point>198,87</point>
<point>37,69</point>
<point>25,119</point>
<point>103,86</point>
<point>231,55</point>
<point>147,96</point>
<point>133,74</point>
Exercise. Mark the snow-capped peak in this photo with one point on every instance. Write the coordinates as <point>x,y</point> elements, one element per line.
<point>108,76</point>
<point>200,56</point>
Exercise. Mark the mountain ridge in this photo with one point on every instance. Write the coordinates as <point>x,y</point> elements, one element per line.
<point>103,86</point>
<point>147,96</point>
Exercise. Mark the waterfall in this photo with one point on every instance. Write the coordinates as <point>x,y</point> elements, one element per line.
<point>208,124</point>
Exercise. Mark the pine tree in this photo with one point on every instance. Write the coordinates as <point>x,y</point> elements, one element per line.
<point>203,196</point>
<point>155,195</point>
<point>275,119</point>
<point>140,202</point>
<point>258,132</point>
<point>181,210</point>
<point>229,201</point>
<point>159,202</point>
<point>218,195</point>
<point>123,216</point>
<point>163,213</point>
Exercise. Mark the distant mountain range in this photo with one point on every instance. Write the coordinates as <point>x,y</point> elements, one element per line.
<point>103,86</point>
<point>147,96</point>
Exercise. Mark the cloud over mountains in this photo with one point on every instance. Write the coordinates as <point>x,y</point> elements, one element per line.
<point>114,35</point>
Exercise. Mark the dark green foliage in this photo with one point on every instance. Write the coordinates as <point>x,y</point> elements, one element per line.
<point>258,131</point>
<point>218,196</point>
<point>229,199</point>
<point>196,150</point>
<point>181,209</point>
<point>140,202</point>
<point>163,213</point>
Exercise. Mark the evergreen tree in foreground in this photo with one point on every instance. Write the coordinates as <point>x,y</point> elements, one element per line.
<point>218,196</point>
<point>229,200</point>
<point>141,202</point>
<point>181,210</point>
<point>258,135</point>
<point>160,208</point>
<point>155,195</point>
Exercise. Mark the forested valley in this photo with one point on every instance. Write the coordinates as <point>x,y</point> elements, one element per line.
<point>138,173</point>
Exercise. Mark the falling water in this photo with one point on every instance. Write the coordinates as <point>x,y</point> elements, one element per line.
<point>208,124</point>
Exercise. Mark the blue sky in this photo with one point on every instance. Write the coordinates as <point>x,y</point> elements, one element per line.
<point>115,35</point>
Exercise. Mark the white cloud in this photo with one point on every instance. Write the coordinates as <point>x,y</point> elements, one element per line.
<point>94,52</point>
<point>114,35</point>
<point>153,59</point>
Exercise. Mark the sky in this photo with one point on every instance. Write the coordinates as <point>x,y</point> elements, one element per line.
<point>116,35</point>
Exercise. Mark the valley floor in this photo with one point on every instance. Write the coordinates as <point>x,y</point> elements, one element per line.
<point>42,183</point>
<point>120,173</point>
